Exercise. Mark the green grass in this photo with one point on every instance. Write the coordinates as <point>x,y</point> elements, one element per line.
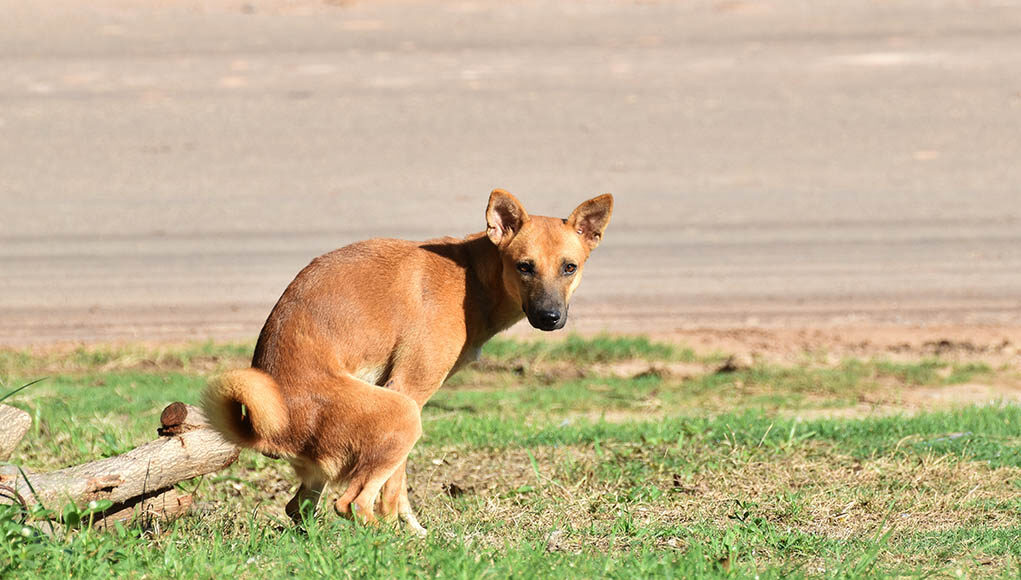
<point>569,474</point>
<point>248,549</point>
<point>603,348</point>
<point>18,363</point>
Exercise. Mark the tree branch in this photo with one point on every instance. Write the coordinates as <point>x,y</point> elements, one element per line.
<point>142,478</point>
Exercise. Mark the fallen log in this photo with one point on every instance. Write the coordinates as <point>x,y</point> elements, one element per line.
<point>137,482</point>
<point>167,505</point>
<point>14,423</point>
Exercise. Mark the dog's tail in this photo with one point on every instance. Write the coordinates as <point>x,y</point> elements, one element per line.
<point>246,407</point>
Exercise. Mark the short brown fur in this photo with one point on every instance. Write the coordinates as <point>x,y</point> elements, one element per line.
<point>364,335</point>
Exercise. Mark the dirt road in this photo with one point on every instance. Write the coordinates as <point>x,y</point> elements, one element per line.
<point>165,172</point>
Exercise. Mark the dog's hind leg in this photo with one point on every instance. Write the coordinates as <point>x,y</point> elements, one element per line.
<point>366,499</point>
<point>383,428</point>
<point>343,503</point>
<point>380,461</point>
<point>359,499</point>
<point>305,502</point>
<point>389,498</point>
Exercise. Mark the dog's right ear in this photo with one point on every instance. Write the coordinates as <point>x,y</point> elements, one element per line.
<point>504,217</point>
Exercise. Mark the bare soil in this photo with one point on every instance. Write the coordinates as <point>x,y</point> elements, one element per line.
<point>994,345</point>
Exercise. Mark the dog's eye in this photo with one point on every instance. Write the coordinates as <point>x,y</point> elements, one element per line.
<point>570,269</point>
<point>526,268</point>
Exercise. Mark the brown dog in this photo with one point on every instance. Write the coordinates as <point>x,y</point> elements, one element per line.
<point>406,315</point>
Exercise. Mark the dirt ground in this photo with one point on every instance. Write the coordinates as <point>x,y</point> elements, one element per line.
<point>996,345</point>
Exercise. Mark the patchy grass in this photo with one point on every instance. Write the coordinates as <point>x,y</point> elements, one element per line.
<point>200,356</point>
<point>578,350</point>
<point>606,457</point>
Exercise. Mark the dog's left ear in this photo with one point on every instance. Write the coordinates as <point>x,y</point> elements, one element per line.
<point>591,218</point>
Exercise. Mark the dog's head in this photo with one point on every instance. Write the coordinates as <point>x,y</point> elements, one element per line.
<point>543,257</point>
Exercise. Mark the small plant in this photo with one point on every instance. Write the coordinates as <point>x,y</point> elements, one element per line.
<point>75,517</point>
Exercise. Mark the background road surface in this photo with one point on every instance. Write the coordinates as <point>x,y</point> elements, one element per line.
<point>166,168</point>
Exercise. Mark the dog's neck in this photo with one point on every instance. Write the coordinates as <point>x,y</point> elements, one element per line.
<point>494,309</point>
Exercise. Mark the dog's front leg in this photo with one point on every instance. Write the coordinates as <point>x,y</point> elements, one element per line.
<point>418,375</point>
<point>404,509</point>
<point>394,502</point>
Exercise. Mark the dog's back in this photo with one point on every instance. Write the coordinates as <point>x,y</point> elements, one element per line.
<point>351,310</point>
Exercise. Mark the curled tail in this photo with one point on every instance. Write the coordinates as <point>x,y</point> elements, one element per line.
<point>246,407</point>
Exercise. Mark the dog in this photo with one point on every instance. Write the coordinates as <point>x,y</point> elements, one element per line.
<point>364,335</point>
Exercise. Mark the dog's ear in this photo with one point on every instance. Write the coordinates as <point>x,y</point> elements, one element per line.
<point>591,218</point>
<point>504,217</point>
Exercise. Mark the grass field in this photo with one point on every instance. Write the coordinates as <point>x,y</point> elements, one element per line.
<point>602,457</point>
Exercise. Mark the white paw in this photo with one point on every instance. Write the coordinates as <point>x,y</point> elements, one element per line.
<point>411,523</point>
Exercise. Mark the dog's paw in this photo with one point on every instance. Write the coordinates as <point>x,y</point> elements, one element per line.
<point>411,524</point>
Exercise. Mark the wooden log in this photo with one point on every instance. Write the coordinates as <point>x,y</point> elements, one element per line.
<point>189,449</point>
<point>164,506</point>
<point>14,423</point>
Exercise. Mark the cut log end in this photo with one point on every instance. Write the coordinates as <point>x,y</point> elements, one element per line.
<point>173,415</point>
<point>178,418</point>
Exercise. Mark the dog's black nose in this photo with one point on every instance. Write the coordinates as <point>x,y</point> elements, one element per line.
<point>549,317</point>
